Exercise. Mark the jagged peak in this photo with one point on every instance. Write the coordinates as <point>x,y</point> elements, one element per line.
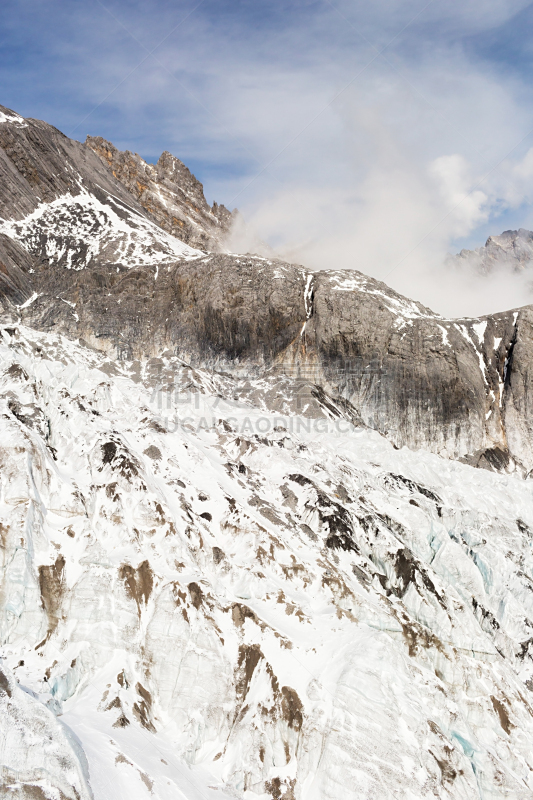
<point>169,193</point>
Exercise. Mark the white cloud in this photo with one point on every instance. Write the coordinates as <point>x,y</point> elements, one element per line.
<point>338,156</point>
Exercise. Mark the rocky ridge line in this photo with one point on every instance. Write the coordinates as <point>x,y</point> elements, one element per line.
<point>170,194</point>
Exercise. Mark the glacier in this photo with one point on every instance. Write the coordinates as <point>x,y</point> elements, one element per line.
<point>204,598</point>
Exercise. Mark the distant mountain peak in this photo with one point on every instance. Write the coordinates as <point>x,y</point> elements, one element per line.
<point>512,249</point>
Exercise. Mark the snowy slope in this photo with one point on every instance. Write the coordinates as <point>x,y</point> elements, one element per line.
<point>40,756</point>
<point>223,601</point>
<point>75,231</point>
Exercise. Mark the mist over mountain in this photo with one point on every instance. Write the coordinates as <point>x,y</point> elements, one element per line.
<point>265,530</point>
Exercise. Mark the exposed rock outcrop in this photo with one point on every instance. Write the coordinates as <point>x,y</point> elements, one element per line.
<point>170,194</point>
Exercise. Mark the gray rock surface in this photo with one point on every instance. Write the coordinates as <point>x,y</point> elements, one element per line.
<point>39,164</point>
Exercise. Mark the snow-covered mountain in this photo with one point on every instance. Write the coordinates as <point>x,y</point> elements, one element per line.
<point>80,254</point>
<point>247,550</point>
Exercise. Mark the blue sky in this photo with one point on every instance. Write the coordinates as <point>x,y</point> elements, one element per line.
<point>351,134</point>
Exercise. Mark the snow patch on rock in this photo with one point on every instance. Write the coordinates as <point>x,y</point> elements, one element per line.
<point>75,230</point>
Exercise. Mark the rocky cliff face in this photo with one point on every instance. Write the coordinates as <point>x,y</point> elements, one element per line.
<point>456,387</point>
<point>170,194</point>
